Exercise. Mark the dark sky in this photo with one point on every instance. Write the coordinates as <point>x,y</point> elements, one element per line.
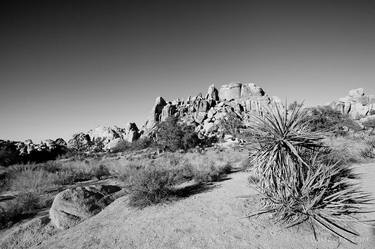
<point>68,66</point>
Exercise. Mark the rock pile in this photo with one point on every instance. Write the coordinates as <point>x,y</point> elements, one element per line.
<point>104,138</point>
<point>357,104</point>
<point>23,152</point>
<point>205,113</point>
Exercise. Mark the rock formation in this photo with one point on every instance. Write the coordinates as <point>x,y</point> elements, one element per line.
<point>74,205</point>
<point>206,113</point>
<point>22,152</point>
<point>357,104</point>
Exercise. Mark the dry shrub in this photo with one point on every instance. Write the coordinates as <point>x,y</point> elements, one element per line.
<point>150,186</point>
<point>23,206</point>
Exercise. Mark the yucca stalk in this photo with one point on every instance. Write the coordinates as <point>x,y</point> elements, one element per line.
<point>296,186</point>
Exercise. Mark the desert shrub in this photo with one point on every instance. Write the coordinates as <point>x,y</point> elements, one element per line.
<point>8,154</point>
<point>150,186</point>
<point>296,186</point>
<point>172,136</point>
<point>326,119</point>
<point>370,124</point>
<point>142,143</point>
<point>369,150</point>
<point>23,206</point>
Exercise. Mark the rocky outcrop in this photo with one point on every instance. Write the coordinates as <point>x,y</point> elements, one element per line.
<point>80,142</point>
<point>115,145</point>
<point>12,152</point>
<point>212,93</point>
<point>74,205</point>
<point>131,132</point>
<point>357,104</point>
<point>105,134</point>
<point>103,138</point>
<point>206,113</point>
<point>240,91</point>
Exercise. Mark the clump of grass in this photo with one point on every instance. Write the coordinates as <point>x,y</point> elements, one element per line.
<point>23,206</point>
<point>298,186</point>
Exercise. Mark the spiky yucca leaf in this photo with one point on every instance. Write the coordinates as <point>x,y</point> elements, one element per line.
<point>281,135</point>
<point>296,185</point>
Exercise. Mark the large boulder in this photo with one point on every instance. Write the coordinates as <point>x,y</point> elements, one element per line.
<point>116,145</point>
<point>132,132</point>
<point>355,93</point>
<point>168,111</point>
<point>80,141</point>
<point>213,93</point>
<point>250,90</point>
<point>74,205</point>
<point>104,133</point>
<point>230,91</point>
<point>357,104</point>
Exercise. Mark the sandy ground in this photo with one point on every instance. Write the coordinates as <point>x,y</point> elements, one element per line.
<point>213,218</point>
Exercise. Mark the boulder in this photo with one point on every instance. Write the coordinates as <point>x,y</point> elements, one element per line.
<point>74,205</point>
<point>115,145</point>
<point>355,93</point>
<point>357,104</point>
<point>230,91</point>
<point>60,142</point>
<point>168,111</point>
<point>132,132</point>
<point>80,141</point>
<point>250,90</point>
<point>212,93</point>
<point>103,133</point>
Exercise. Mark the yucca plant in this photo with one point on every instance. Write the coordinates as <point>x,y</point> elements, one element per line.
<point>282,137</point>
<point>297,187</point>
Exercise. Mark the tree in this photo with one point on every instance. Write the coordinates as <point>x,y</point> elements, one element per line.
<point>172,136</point>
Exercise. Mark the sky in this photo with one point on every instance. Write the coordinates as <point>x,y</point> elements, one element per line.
<point>69,66</point>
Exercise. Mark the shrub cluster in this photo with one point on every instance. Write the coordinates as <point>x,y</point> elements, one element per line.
<point>154,181</point>
<point>326,119</point>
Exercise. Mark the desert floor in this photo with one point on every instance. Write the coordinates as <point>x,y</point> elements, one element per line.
<point>213,217</point>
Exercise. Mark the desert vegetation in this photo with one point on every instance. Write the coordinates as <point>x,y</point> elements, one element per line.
<point>299,179</point>
<point>147,180</point>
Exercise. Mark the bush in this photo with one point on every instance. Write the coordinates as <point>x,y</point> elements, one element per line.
<point>172,136</point>
<point>150,186</point>
<point>23,206</point>
<point>370,124</point>
<point>296,186</point>
<point>8,154</point>
<point>326,119</point>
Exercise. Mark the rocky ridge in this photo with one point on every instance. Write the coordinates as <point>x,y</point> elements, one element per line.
<point>204,112</point>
